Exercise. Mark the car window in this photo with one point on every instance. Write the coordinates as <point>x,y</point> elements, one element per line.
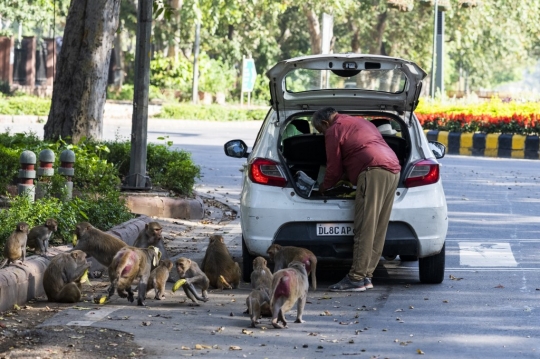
<point>302,80</point>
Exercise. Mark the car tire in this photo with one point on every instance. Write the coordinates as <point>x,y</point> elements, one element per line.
<point>247,262</point>
<point>408,258</point>
<point>431,269</point>
<point>390,258</point>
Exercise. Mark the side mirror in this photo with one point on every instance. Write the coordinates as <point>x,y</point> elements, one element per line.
<point>438,149</point>
<point>236,149</point>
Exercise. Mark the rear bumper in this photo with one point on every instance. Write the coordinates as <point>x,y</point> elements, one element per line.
<point>417,226</point>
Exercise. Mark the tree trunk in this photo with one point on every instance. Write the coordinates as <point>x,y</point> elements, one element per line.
<point>378,32</point>
<point>79,90</point>
<point>314,29</point>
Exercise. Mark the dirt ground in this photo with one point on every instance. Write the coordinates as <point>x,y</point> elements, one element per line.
<point>21,337</point>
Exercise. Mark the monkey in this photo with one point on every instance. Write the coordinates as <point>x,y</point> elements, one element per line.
<point>281,256</point>
<point>219,266</point>
<point>261,275</point>
<point>62,278</point>
<point>158,278</point>
<point>258,303</point>
<point>194,276</point>
<point>289,285</point>
<point>128,265</point>
<point>39,236</point>
<point>15,246</point>
<point>97,244</point>
<point>151,236</point>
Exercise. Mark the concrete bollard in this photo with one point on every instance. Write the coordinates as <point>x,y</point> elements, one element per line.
<point>27,174</point>
<point>45,172</point>
<point>67,160</point>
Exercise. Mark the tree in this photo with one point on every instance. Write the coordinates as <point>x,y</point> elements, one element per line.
<point>81,80</point>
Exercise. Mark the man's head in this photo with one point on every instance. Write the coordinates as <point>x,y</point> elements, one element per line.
<point>323,118</point>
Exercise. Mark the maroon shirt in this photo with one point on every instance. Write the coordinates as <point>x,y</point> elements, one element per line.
<point>352,145</point>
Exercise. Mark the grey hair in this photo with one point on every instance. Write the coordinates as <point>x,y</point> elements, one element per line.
<point>321,115</point>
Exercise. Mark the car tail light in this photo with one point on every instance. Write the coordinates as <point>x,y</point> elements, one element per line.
<point>267,172</point>
<point>423,173</point>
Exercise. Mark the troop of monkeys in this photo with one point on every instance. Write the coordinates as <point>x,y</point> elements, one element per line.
<point>272,294</point>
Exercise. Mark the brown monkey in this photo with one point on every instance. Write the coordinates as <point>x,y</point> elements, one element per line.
<point>289,285</point>
<point>151,236</point>
<point>62,278</point>
<point>95,243</point>
<point>261,275</point>
<point>219,266</point>
<point>258,303</point>
<point>128,265</point>
<point>39,236</point>
<point>194,276</point>
<point>15,247</point>
<point>282,256</point>
<point>158,278</point>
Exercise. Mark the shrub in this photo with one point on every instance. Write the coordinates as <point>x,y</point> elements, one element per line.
<point>25,105</point>
<point>103,211</point>
<point>211,113</point>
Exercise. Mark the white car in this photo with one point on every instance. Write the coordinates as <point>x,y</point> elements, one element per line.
<point>279,200</point>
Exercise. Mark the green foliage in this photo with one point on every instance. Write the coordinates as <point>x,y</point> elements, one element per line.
<point>210,112</point>
<point>173,170</point>
<point>215,75</point>
<point>103,211</point>
<point>24,105</point>
<point>168,73</point>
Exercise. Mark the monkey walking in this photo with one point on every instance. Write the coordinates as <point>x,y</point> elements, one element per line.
<point>258,304</point>
<point>158,278</point>
<point>62,278</point>
<point>128,265</point>
<point>39,236</point>
<point>15,246</point>
<point>289,286</point>
<point>194,276</point>
<point>282,256</point>
<point>261,275</point>
<point>219,266</point>
<point>97,244</point>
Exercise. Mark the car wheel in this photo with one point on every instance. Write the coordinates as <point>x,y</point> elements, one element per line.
<point>432,268</point>
<point>407,258</point>
<point>247,262</point>
<point>390,258</point>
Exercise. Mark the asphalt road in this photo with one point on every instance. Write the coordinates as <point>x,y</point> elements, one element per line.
<point>487,306</point>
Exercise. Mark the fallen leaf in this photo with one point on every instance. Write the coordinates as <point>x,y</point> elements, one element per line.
<point>420,351</point>
<point>185,348</point>
<point>325,313</point>
<point>325,297</point>
<point>398,310</point>
<point>146,324</point>
<point>202,346</point>
<point>76,336</point>
<point>499,286</point>
<point>16,307</point>
<point>445,301</point>
<point>80,308</point>
<point>248,332</point>
<point>455,278</point>
<point>234,347</point>
<point>344,323</point>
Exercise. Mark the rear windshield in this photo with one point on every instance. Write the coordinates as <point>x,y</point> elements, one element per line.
<point>302,80</point>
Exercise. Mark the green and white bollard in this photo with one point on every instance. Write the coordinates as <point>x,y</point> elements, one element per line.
<point>45,172</point>
<point>27,174</point>
<point>67,160</point>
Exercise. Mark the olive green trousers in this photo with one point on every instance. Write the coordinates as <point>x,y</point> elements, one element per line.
<point>375,190</point>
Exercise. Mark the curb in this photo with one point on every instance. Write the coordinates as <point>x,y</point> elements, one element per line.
<point>19,284</point>
<point>487,145</point>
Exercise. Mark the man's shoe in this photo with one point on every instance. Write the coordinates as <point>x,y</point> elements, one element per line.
<point>348,285</point>
<point>367,283</point>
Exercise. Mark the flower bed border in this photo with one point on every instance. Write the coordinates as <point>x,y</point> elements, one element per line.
<point>487,145</point>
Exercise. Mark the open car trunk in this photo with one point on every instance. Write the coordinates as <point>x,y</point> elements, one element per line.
<point>306,153</point>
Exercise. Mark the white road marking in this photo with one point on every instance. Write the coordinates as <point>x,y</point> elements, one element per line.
<point>94,316</point>
<point>486,254</point>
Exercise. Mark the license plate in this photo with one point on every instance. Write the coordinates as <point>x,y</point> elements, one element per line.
<point>335,229</point>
